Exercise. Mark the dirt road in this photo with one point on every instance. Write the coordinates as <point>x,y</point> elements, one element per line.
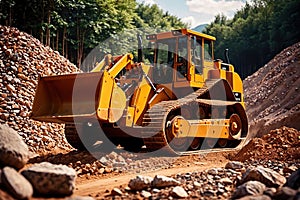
<point>99,187</point>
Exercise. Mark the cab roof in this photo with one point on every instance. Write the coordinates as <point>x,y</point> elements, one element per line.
<point>176,33</point>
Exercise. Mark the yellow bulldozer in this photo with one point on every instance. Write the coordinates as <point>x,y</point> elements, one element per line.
<point>184,100</point>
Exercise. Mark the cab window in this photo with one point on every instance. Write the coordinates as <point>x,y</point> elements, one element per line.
<point>182,56</point>
<point>197,54</point>
<point>164,60</point>
<point>208,50</point>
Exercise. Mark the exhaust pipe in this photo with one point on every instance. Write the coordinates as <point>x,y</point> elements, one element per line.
<point>226,56</point>
<point>140,48</point>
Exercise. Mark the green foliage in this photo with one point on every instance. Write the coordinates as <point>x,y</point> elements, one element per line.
<point>75,27</point>
<point>155,18</point>
<point>257,33</point>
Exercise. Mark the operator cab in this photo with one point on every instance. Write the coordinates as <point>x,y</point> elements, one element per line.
<point>182,58</point>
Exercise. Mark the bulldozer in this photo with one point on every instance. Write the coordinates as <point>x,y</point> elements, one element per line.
<point>182,101</point>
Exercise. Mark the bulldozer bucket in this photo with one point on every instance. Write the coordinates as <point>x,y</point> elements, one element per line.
<point>65,97</point>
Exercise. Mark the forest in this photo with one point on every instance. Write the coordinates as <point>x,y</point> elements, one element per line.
<point>75,27</point>
<point>255,34</point>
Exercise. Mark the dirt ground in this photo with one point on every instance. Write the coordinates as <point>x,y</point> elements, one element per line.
<point>99,187</point>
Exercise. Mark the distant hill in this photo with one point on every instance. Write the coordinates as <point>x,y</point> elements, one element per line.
<point>200,27</point>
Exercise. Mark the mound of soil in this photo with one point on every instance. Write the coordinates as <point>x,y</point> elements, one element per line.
<point>22,60</point>
<point>272,94</point>
<point>281,144</point>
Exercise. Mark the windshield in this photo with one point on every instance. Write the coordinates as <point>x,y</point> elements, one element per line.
<point>164,59</point>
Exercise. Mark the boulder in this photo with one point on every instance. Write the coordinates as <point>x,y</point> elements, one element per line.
<point>80,198</point>
<point>226,181</point>
<point>50,179</point>
<point>163,181</point>
<point>116,191</point>
<point>256,197</point>
<point>18,186</point>
<point>196,184</point>
<point>249,188</point>
<point>214,171</point>
<point>140,182</point>
<point>285,193</point>
<point>179,192</point>
<point>267,176</point>
<point>113,155</point>
<point>294,180</point>
<point>270,191</point>
<point>145,194</point>
<point>235,165</point>
<point>14,152</point>
<point>290,169</point>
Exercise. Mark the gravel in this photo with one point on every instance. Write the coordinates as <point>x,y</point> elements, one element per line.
<point>22,60</point>
<point>272,93</point>
<point>214,183</point>
<point>279,144</point>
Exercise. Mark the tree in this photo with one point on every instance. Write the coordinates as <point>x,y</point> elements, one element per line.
<point>257,33</point>
<point>75,27</point>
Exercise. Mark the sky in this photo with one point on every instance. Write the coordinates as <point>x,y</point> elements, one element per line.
<point>196,12</point>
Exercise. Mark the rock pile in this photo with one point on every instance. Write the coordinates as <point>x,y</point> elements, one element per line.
<point>130,162</point>
<point>42,179</point>
<point>280,144</point>
<point>272,93</point>
<point>98,163</point>
<point>119,162</point>
<point>232,182</point>
<point>22,60</point>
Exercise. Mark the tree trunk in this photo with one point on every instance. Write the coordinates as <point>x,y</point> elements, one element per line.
<point>79,43</point>
<point>53,43</point>
<point>42,22</point>
<point>66,48</point>
<point>81,47</point>
<point>50,8</point>
<point>48,30</point>
<point>9,16</point>
<point>63,40</point>
<point>57,40</point>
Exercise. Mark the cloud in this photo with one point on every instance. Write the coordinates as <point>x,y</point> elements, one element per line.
<point>190,20</point>
<point>195,20</point>
<point>149,2</point>
<point>214,7</point>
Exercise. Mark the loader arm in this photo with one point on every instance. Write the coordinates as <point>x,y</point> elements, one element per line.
<point>111,109</point>
<point>112,99</point>
<point>104,62</point>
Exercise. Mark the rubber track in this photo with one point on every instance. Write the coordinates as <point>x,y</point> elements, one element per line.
<point>72,137</point>
<point>153,130</point>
